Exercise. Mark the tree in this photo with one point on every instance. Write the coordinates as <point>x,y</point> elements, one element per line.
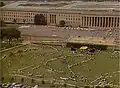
<point>22,79</point>
<point>53,85</point>
<point>39,19</point>
<point>86,86</point>
<point>2,23</point>
<point>10,33</point>
<point>2,4</point>
<point>24,21</point>
<point>2,78</point>
<point>14,21</point>
<point>12,79</point>
<point>65,85</point>
<point>76,87</point>
<point>32,80</point>
<point>98,87</point>
<point>17,34</point>
<point>43,82</point>
<point>62,23</point>
<point>2,31</point>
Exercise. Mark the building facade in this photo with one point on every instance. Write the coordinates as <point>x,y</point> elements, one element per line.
<point>82,14</point>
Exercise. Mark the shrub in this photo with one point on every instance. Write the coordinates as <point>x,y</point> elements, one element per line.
<point>22,79</point>
<point>107,87</point>
<point>65,85</point>
<point>86,86</point>
<point>43,82</point>
<point>98,87</point>
<point>2,78</point>
<point>32,81</point>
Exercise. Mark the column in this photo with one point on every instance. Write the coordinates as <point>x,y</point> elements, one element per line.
<point>94,22</point>
<point>86,21</point>
<point>108,22</point>
<point>97,21</point>
<point>102,21</point>
<point>113,21</point>
<point>55,19</point>
<point>91,21</point>
<point>105,22</point>
<point>116,21</point>
<point>82,20</point>
<point>50,18</point>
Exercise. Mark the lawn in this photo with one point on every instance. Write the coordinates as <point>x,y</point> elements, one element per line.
<point>56,64</point>
<point>6,44</point>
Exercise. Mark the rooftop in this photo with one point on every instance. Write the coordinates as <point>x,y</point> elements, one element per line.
<point>63,5</point>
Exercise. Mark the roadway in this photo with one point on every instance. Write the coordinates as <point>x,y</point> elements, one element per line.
<point>34,30</point>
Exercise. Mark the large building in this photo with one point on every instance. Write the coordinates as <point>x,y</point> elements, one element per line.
<point>75,13</point>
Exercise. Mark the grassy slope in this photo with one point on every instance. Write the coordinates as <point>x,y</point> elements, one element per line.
<point>104,62</point>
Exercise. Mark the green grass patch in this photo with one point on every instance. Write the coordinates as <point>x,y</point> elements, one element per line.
<point>33,61</point>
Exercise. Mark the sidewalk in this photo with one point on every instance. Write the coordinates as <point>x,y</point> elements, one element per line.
<point>93,40</point>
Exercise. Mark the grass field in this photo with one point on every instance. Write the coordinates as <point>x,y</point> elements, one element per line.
<point>56,64</point>
<point>6,44</point>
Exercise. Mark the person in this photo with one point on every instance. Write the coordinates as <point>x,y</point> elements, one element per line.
<point>73,49</point>
<point>92,50</point>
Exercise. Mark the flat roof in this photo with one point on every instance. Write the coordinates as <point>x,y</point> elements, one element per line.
<point>63,5</point>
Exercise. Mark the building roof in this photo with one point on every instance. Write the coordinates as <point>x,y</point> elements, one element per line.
<point>63,5</point>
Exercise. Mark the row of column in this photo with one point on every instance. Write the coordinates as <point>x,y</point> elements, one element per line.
<point>100,21</point>
<point>52,18</point>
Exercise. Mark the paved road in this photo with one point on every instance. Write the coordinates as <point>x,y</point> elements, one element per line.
<point>61,32</point>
